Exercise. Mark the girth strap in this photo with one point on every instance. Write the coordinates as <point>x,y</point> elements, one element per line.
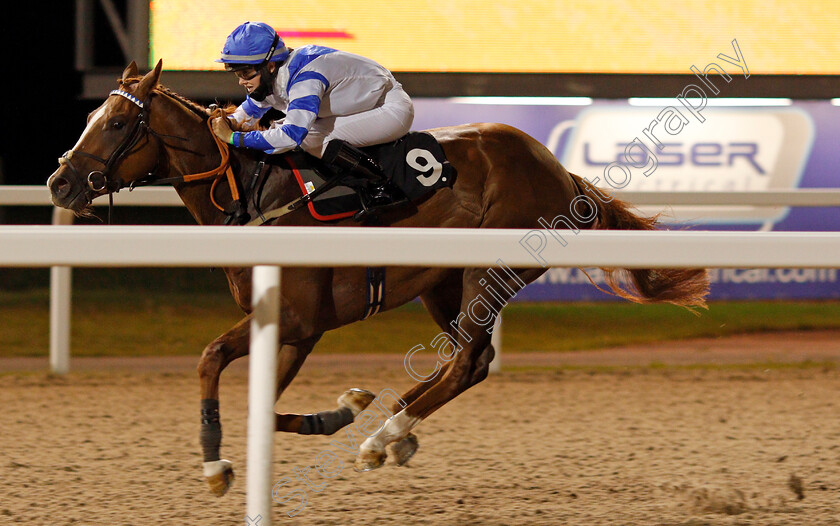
<point>296,203</point>
<point>376,291</point>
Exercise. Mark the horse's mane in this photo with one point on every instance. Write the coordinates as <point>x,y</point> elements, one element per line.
<point>196,108</point>
<point>193,106</point>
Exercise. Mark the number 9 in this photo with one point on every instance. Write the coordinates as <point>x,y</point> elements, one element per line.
<point>430,164</point>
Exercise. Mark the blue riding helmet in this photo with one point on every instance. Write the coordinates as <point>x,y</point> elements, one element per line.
<point>253,43</point>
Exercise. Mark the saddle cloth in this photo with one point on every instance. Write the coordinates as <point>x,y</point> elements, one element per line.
<point>414,163</point>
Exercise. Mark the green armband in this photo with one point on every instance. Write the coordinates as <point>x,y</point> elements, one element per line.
<point>237,139</point>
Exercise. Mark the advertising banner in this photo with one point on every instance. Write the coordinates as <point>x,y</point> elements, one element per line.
<point>717,148</point>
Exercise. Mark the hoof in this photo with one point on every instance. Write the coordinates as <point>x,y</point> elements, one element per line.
<point>404,449</point>
<point>370,460</point>
<point>219,475</point>
<point>356,400</point>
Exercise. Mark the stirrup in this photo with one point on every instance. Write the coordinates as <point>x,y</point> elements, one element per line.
<point>364,214</point>
<point>371,209</point>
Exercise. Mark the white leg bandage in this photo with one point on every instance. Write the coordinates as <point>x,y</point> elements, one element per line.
<point>215,467</point>
<point>396,428</point>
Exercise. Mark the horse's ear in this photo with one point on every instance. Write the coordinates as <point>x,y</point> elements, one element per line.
<point>130,71</point>
<point>149,81</point>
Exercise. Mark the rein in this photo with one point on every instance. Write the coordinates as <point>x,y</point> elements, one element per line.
<point>99,180</point>
<point>224,167</point>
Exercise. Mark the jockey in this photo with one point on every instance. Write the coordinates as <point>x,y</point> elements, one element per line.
<point>333,102</point>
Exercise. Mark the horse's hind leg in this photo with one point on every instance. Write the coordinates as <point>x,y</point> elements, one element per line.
<point>468,367</point>
<point>405,448</point>
<point>350,403</point>
<point>443,303</point>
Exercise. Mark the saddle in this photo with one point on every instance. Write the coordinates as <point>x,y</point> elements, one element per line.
<point>415,164</point>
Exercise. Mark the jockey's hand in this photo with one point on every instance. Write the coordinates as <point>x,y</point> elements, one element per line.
<point>221,127</point>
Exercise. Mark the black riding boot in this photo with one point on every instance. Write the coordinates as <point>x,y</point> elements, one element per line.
<point>349,160</point>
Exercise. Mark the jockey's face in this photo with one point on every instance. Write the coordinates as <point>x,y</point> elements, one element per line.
<point>250,78</point>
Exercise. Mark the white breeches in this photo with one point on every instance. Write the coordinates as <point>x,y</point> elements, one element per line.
<point>387,122</point>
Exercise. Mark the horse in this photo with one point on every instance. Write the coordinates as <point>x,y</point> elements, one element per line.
<point>144,132</point>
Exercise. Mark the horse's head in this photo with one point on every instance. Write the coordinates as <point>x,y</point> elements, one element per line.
<point>114,149</point>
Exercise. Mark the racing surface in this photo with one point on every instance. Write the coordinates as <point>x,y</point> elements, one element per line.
<point>554,439</point>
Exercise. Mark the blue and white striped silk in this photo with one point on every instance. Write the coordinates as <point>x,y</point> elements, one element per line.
<point>315,82</point>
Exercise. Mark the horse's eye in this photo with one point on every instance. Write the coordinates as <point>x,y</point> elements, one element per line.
<point>117,125</point>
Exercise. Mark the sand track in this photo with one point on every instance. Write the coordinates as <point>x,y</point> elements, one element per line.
<point>118,444</point>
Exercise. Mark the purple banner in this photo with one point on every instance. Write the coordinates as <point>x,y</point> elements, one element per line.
<point>713,148</point>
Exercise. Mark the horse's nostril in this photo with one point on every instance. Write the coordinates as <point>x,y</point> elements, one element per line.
<point>60,186</point>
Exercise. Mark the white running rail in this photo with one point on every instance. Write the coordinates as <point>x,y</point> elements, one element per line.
<point>61,276</point>
<point>270,248</point>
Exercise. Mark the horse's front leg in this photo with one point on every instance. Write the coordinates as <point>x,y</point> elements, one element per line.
<point>350,403</point>
<point>229,346</point>
<point>235,344</point>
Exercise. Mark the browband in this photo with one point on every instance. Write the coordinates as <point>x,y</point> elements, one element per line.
<point>127,95</point>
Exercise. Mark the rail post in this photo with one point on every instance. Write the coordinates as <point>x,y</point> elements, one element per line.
<point>61,279</point>
<point>496,342</point>
<point>262,389</point>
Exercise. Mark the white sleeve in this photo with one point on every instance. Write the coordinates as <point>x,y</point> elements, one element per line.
<point>305,93</point>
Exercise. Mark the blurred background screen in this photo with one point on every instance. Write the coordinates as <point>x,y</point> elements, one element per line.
<point>530,36</point>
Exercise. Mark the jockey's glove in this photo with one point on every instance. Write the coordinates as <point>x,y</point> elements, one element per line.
<point>221,127</point>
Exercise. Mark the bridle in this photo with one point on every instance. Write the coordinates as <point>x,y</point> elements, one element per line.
<point>99,180</point>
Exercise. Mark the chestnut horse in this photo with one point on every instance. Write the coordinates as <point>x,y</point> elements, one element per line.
<point>506,179</point>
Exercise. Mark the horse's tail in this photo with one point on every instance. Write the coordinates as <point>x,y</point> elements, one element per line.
<point>685,287</point>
